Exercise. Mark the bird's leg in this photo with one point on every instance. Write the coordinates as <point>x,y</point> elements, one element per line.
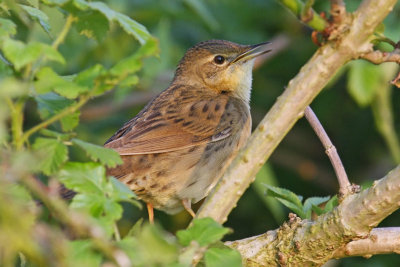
<point>187,204</point>
<point>151,213</point>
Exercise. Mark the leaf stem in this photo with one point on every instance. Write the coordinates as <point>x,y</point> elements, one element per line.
<point>17,118</point>
<point>67,26</point>
<point>313,20</point>
<point>71,109</point>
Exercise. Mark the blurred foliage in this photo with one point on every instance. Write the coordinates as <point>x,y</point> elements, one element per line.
<point>58,55</point>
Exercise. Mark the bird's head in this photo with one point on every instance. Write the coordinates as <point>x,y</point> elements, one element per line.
<point>222,66</point>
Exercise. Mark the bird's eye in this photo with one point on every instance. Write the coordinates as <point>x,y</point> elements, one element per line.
<point>219,60</point>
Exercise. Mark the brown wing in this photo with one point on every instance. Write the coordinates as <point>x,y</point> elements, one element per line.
<point>165,125</point>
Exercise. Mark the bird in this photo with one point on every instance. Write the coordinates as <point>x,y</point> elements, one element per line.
<point>175,150</point>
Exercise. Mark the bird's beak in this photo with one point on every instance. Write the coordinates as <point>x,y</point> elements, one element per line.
<point>253,51</point>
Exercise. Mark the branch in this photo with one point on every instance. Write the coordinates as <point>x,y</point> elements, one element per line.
<point>379,57</point>
<point>290,107</point>
<point>330,150</point>
<point>379,241</point>
<point>305,243</point>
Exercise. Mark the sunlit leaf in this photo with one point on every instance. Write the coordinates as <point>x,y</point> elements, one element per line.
<point>70,121</point>
<point>83,253</point>
<point>205,231</point>
<point>21,54</point>
<point>83,177</point>
<point>7,27</point>
<point>53,154</point>
<point>48,80</point>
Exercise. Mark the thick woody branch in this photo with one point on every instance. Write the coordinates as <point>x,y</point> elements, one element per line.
<point>379,241</point>
<point>290,106</point>
<point>306,243</point>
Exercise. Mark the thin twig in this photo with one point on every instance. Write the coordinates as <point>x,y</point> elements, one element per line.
<point>330,150</point>
<point>379,57</point>
<point>64,31</point>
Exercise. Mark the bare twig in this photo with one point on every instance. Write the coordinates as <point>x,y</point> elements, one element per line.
<point>330,150</point>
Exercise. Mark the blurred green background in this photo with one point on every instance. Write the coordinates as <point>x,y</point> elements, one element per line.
<point>299,163</point>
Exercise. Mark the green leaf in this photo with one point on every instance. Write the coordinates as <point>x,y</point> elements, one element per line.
<point>20,54</point>
<point>106,156</point>
<point>329,206</point>
<point>284,194</point>
<point>39,16</point>
<point>85,178</point>
<point>48,80</point>
<point>53,154</point>
<point>364,79</point>
<point>202,11</point>
<point>205,231</point>
<point>313,201</point>
<point>93,25</point>
<point>133,63</point>
<point>51,103</point>
<point>120,192</point>
<point>82,253</point>
<point>7,27</point>
<point>135,229</point>
<point>217,257</point>
<point>293,207</point>
<point>70,122</point>
<point>129,25</point>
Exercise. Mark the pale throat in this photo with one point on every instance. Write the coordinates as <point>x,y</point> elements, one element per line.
<point>242,79</point>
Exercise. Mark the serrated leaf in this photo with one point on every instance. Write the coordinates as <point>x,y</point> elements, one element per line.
<point>135,229</point>
<point>129,25</point>
<point>217,257</point>
<point>93,25</point>
<point>133,63</point>
<point>284,194</point>
<point>293,207</point>
<point>205,231</point>
<point>53,153</point>
<point>21,54</point>
<point>329,206</point>
<point>51,103</point>
<point>48,80</point>
<point>70,121</point>
<point>7,27</point>
<point>106,156</point>
<point>85,178</point>
<point>364,79</point>
<point>120,192</point>
<point>313,201</point>
<point>87,78</point>
<point>39,16</point>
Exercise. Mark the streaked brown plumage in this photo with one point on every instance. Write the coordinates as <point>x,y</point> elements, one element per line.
<point>177,147</point>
